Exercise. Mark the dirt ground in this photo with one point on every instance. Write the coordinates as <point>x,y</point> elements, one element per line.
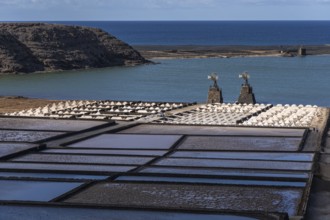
<point>18,103</point>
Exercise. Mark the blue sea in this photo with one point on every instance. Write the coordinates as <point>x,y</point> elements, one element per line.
<point>215,32</point>
<point>297,80</point>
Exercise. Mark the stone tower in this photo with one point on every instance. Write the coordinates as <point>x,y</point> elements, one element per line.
<point>215,93</point>
<point>246,95</point>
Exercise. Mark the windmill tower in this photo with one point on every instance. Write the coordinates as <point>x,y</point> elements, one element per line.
<point>246,95</point>
<point>215,93</point>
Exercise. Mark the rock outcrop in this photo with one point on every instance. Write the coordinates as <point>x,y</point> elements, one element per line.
<point>32,47</point>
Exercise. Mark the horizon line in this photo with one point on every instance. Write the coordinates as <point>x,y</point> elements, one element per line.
<point>158,20</point>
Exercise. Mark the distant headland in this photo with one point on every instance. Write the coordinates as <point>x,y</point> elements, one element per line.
<point>226,51</point>
<point>36,47</point>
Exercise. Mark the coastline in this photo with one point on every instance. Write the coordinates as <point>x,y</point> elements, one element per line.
<point>216,51</point>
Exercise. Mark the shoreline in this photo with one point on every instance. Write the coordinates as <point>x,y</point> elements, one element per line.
<point>218,51</point>
<point>161,52</point>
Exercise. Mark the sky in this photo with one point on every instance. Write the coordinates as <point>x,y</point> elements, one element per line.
<point>131,10</point>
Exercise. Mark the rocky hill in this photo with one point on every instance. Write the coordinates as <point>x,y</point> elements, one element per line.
<point>31,47</point>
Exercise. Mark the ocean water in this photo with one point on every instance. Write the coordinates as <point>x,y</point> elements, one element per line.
<point>215,32</point>
<point>297,80</point>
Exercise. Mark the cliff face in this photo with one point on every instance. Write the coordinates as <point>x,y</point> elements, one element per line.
<point>31,47</point>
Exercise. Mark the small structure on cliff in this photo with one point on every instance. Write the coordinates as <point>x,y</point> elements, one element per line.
<point>302,51</point>
<point>215,93</point>
<point>246,95</point>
